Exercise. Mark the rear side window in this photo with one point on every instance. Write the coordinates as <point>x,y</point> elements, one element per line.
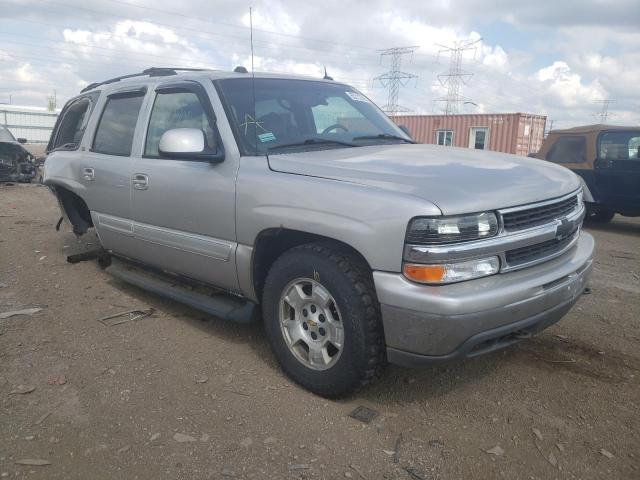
<point>114,135</point>
<point>621,145</point>
<point>72,125</point>
<point>568,149</point>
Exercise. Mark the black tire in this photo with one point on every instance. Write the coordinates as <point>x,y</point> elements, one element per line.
<point>603,216</point>
<point>350,283</point>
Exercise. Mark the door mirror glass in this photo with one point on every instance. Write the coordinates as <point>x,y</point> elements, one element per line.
<point>22,140</point>
<point>181,143</point>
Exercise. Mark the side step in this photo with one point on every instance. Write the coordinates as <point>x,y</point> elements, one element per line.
<point>220,304</point>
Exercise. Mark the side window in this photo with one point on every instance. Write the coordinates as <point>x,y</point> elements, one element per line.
<point>176,109</point>
<point>114,135</point>
<point>74,120</point>
<point>622,145</point>
<point>568,149</point>
<point>337,110</point>
<point>445,137</point>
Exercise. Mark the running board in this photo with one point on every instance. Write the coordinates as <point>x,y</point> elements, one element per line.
<point>221,304</point>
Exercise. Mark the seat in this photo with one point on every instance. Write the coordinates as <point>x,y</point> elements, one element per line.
<point>616,152</point>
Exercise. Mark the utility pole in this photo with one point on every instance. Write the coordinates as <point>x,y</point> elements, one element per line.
<point>604,113</point>
<point>456,76</point>
<point>395,78</point>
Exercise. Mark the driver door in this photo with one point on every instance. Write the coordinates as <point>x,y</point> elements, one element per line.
<point>617,168</point>
<point>184,210</point>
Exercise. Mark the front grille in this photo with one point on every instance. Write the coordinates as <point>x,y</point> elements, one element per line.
<point>523,255</point>
<point>533,217</point>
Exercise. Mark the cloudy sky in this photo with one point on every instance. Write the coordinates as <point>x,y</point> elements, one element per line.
<point>557,58</point>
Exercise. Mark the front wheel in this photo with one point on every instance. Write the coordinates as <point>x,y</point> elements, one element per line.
<point>323,319</point>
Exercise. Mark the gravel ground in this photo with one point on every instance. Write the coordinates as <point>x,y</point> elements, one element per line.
<point>184,395</point>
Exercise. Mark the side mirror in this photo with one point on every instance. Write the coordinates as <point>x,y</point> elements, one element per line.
<point>21,140</point>
<point>406,130</point>
<point>187,144</point>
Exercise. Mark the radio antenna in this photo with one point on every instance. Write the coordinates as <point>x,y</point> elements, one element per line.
<point>253,80</point>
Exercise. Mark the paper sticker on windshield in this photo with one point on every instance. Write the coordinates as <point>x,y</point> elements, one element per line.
<point>358,97</point>
<point>267,137</point>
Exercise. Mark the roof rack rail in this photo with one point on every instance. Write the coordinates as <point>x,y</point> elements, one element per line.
<point>152,72</point>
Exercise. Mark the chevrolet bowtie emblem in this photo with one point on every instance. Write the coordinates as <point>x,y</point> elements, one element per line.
<point>564,229</point>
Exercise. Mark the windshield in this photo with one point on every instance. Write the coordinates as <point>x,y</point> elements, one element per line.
<point>298,115</point>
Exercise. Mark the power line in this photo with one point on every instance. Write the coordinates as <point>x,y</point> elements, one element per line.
<point>270,32</point>
<point>327,57</point>
<point>456,76</point>
<point>199,30</point>
<point>395,78</point>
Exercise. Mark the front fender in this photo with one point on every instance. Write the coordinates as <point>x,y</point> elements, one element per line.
<point>371,220</point>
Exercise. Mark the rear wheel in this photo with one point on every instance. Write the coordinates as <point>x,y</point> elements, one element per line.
<point>323,320</point>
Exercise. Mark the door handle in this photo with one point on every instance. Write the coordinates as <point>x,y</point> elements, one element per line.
<point>89,174</point>
<point>140,181</point>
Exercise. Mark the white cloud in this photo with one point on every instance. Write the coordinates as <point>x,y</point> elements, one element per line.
<point>495,57</point>
<point>567,87</point>
<point>277,21</point>
<point>25,73</point>
<point>595,51</point>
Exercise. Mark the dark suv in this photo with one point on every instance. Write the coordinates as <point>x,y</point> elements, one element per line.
<point>607,158</point>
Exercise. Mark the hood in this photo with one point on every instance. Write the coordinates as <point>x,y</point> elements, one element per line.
<point>457,180</point>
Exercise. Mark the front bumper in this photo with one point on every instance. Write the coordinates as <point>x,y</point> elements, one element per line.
<point>426,324</point>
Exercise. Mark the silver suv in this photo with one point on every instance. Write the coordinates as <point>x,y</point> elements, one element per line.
<point>228,192</point>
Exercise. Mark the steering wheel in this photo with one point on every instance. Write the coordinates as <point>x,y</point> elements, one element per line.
<point>334,127</point>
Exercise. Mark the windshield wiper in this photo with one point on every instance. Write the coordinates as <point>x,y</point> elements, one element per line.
<point>313,141</point>
<point>383,136</point>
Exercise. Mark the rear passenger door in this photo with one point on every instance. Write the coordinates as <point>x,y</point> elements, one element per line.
<point>105,170</point>
<point>184,210</point>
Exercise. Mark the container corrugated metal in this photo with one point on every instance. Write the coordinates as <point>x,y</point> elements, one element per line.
<point>517,133</point>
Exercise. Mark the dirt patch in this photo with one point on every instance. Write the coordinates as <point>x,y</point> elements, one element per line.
<point>179,394</point>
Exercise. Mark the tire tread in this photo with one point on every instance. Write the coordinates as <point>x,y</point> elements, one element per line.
<point>359,274</point>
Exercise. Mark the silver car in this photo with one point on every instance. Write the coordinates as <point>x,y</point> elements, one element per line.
<point>299,200</point>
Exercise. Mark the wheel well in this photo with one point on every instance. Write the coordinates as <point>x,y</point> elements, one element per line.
<point>76,209</point>
<point>272,243</point>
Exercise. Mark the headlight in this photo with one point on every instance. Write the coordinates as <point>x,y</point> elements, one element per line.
<point>434,230</point>
<point>451,272</point>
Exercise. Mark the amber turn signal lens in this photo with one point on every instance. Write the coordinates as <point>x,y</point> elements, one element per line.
<point>424,273</point>
<point>451,272</point>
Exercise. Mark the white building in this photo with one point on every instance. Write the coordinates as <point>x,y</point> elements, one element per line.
<point>33,123</point>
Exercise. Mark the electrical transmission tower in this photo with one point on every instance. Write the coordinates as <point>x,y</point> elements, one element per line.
<point>395,78</point>
<point>456,76</point>
<point>52,101</point>
<point>604,113</point>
